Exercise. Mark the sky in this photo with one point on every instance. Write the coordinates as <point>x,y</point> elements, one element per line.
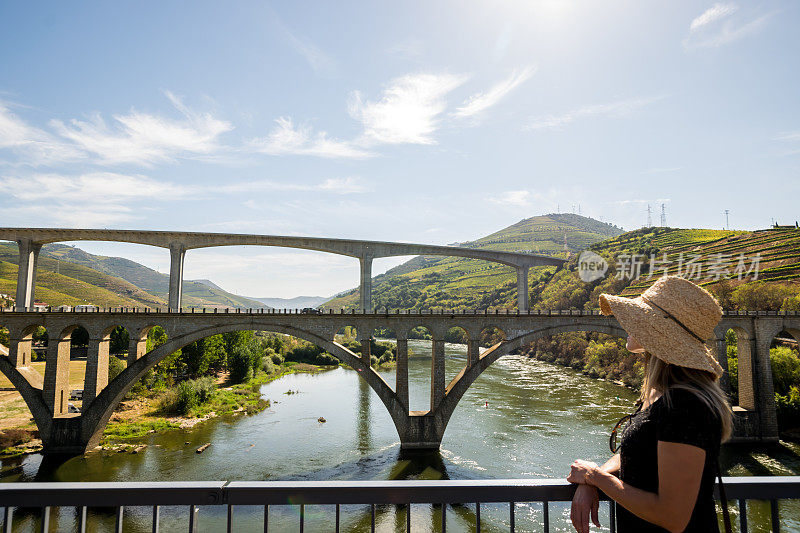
<point>429,122</point>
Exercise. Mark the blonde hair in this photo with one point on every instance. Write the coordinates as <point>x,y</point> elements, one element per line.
<point>659,377</point>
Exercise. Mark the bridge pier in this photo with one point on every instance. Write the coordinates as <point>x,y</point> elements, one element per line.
<point>437,373</point>
<point>26,274</point>
<point>473,351</point>
<point>20,351</point>
<point>365,287</point>
<point>522,289</point>
<point>56,376</point>
<point>136,349</point>
<point>177,254</point>
<point>765,330</point>
<point>422,431</point>
<point>401,371</point>
<point>96,370</point>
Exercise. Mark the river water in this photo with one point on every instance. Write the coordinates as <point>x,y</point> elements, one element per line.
<point>521,419</point>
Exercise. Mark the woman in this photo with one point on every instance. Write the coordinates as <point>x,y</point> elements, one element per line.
<point>663,471</point>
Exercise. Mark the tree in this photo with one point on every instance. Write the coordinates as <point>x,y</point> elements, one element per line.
<point>120,340</point>
<point>244,360</point>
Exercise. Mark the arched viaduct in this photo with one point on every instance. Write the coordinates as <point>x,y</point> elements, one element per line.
<point>63,432</point>
<point>31,240</point>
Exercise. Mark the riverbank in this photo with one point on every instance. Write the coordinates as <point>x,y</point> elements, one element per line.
<point>143,414</point>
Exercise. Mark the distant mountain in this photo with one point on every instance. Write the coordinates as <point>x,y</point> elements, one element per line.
<point>450,282</point>
<point>70,275</point>
<point>298,302</point>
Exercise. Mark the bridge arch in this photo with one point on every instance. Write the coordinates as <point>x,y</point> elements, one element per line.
<point>459,386</point>
<point>97,414</point>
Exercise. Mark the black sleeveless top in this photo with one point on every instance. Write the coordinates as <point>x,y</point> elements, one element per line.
<point>687,421</point>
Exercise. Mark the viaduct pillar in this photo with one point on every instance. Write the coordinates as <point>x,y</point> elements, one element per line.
<point>437,373</point>
<point>401,369</point>
<point>177,252</point>
<point>26,274</point>
<point>522,289</point>
<point>19,351</point>
<point>56,376</point>
<point>473,351</point>
<point>96,370</point>
<point>762,379</point>
<point>136,349</point>
<point>365,288</point>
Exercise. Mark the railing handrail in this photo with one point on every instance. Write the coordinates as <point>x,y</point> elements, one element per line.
<point>57,494</point>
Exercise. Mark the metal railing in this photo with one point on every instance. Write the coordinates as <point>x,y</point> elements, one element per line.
<point>373,311</point>
<point>195,495</point>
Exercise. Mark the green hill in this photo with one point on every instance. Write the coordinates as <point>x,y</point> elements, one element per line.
<point>71,276</point>
<point>427,282</point>
<point>778,250</point>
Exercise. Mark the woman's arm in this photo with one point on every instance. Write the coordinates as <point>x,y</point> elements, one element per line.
<point>680,468</point>
<point>586,501</point>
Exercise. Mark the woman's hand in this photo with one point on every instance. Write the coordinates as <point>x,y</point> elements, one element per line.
<point>585,504</point>
<point>581,471</point>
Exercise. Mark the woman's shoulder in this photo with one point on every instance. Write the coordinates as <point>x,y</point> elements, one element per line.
<point>684,401</point>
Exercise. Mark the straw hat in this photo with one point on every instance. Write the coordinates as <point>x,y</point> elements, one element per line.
<point>671,320</point>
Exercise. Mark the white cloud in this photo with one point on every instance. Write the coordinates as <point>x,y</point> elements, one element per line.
<point>717,27</point>
<point>512,198</point>
<point>145,138</point>
<point>614,109</point>
<point>712,14</point>
<point>286,139</point>
<point>95,188</point>
<point>348,185</point>
<point>482,101</point>
<point>33,145</point>
<point>408,110</point>
<point>789,136</point>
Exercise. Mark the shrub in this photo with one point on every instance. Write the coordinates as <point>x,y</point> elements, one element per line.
<point>268,366</point>
<point>205,388</point>
<point>187,398</point>
<point>277,359</point>
<point>788,408</point>
<point>15,436</point>
<point>115,367</point>
<point>785,369</point>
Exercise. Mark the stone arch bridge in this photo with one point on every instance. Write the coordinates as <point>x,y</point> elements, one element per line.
<point>62,432</point>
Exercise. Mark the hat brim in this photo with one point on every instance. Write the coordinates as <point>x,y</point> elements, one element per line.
<point>659,335</point>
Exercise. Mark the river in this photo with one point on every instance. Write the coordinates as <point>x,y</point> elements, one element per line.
<point>521,419</point>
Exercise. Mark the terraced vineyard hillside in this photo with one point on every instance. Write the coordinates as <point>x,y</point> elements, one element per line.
<point>70,276</point>
<point>777,250</point>
<point>427,282</point>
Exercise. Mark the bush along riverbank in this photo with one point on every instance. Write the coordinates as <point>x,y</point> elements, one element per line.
<point>190,403</point>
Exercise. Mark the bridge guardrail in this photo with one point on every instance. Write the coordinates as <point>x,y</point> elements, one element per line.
<point>301,493</point>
